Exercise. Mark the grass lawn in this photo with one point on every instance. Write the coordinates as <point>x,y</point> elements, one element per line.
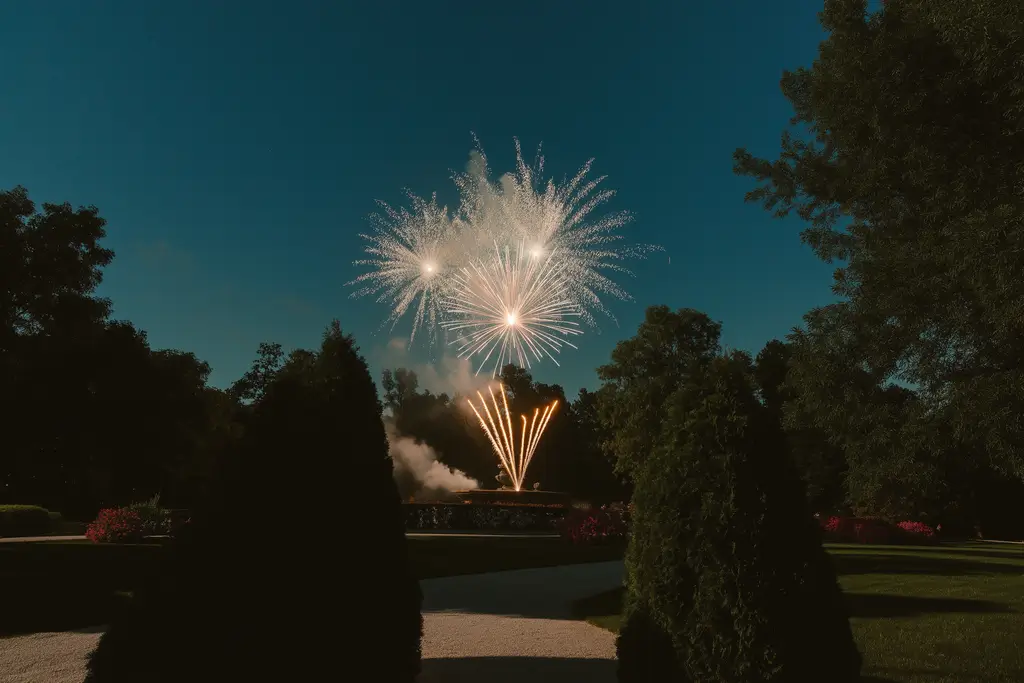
<point>50,586</point>
<point>953,613</point>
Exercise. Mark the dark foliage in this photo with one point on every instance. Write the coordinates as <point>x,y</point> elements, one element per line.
<point>103,418</point>
<point>725,566</point>
<point>645,369</point>
<point>224,608</point>
<point>906,168</point>
<point>24,520</point>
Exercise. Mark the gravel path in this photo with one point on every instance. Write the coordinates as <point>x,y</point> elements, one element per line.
<point>499,627</point>
<point>507,627</point>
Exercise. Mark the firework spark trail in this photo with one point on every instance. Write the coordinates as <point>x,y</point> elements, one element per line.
<point>429,261</point>
<point>498,427</point>
<point>511,308</point>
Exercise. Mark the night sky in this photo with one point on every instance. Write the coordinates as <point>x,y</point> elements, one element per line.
<point>236,148</point>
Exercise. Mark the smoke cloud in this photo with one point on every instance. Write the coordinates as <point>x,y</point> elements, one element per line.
<point>420,475</point>
<point>449,374</point>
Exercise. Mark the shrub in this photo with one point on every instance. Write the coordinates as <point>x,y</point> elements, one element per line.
<point>872,530</point>
<point>117,525</point>
<point>593,526</point>
<point>232,602</point>
<point>24,520</point>
<point>726,578</point>
<point>919,528</point>
<point>155,519</point>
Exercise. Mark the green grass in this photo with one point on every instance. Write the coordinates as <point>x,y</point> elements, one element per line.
<point>60,585</point>
<point>945,614</point>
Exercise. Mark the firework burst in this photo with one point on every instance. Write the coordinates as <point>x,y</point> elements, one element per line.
<point>515,454</point>
<point>512,306</point>
<point>548,217</point>
<point>410,259</point>
<point>512,273</point>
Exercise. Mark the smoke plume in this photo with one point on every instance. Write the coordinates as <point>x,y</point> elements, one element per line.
<point>420,475</point>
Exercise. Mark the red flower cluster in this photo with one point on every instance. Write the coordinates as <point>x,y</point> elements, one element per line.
<point>116,525</point>
<point>917,528</point>
<point>594,525</point>
<point>874,531</point>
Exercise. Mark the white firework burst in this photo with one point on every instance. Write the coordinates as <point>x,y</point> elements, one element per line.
<point>411,260</point>
<point>517,250</point>
<point>513,307</point>
<point>556,218</point>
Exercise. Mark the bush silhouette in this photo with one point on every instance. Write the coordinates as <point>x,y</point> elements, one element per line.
<point>247,595</point>
<point>726,576</point>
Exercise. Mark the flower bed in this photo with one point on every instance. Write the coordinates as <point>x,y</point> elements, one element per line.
<point>875,531</point>
<point>136,522</point>
<point>607,524</point>
<point>117,525</point>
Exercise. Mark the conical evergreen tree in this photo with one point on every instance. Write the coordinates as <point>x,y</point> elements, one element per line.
<point>267,585</point>
<point>727,580</point>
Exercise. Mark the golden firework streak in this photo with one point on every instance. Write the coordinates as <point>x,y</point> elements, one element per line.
<point>499,432</point>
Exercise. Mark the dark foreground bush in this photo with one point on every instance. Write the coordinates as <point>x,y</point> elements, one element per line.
<point>24,520</point>
<point>280,601</point>
<point>726,576</point>
<point>63,586</point>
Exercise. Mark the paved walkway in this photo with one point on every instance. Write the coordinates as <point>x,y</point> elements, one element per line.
<point>515,626</point>
<point>502,627</point>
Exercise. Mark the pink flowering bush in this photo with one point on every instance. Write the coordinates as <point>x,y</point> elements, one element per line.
<point>595,525</point>
<point>874,531</point>
<point>117,525</point>
<point>918,528</point>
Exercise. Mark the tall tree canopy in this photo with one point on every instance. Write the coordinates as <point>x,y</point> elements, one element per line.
<point>910,175</point>
<point>820,462</point>
<point>102,418</point>
<point>644,371</point>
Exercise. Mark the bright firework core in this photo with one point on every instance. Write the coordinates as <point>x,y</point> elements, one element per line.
<point>510,318</point>
<point>498,427</point>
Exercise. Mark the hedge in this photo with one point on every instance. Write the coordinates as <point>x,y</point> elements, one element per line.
<point>470,516</point>
<point>24,520</point>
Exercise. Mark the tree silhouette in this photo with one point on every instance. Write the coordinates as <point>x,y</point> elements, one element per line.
<point>237,595</point>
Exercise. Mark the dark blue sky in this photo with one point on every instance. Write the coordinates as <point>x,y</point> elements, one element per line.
<point>235,148</point>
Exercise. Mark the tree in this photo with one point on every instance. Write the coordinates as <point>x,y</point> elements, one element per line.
<point>399,386</point>
<point>821,464</point>
<point>253,384</point>
<point>727,579</point>
<point>230,610</point>
<point>875,425</point>
<point>644,371</point>
<point>103,418</point>
<point>50,265</point>
<point>910,176</point>
<point>594,470</point>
